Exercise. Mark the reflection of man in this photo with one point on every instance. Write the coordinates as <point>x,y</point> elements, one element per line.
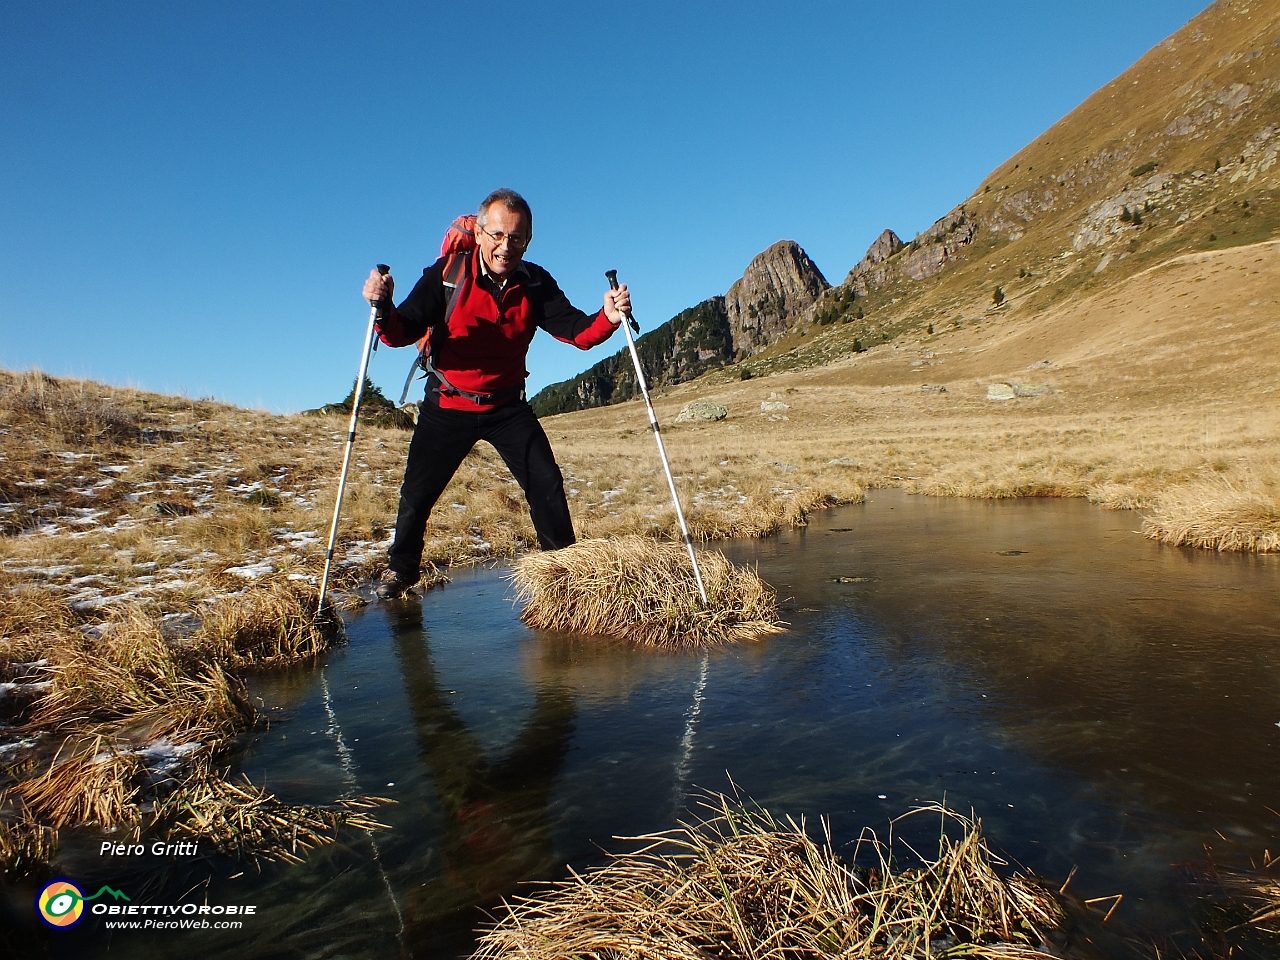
<point>496,827</point>
<point>475,390</point>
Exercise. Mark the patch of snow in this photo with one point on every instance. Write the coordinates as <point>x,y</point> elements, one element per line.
<point>39,686</point>
<point>252,571</point>
<point>54,571</point>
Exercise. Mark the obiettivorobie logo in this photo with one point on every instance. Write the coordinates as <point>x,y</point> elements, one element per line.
<point>61,903</point>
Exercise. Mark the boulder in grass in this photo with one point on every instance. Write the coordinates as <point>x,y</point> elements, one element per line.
<point>1031,389</point>
<point>1000,391</point>
<point>702,410</point>
<point>643,590</point>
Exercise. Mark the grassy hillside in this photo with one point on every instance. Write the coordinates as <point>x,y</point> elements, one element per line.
<point>1176,155</point>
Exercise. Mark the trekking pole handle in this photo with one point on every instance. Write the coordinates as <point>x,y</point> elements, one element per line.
<point>612,276</point>
<point>383,270</point>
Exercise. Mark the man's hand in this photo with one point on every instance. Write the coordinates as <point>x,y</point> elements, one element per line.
<point>617,304</point>
<point>378,287</point>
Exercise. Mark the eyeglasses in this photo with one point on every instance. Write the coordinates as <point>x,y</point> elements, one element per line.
<point>515,241</point>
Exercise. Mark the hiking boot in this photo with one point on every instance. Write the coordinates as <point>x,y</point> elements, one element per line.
<point>392,586</point>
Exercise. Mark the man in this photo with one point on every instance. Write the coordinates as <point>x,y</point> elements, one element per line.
<point>475,385</point>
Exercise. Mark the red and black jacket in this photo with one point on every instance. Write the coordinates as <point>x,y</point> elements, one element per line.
<point>484,348</point>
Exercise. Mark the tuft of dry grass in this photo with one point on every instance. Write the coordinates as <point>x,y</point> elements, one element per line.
<point>117,685</point>
<point>131,673</point>
<point>96,783</point>
<point>30,621</point>
<point>1260,892</point>
<point>272,624</point>
<point>740,884</point>
<point>638,589</point>
<point>1239,899</point>
<point>244,820</point>
<point>25,845</point>
<point>1216,516</point>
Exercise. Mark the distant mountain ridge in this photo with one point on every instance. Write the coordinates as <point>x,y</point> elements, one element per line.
<point>1177,154</point>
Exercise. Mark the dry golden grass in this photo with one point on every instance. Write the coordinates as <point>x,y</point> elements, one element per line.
<point>88,782</point>
<point>132,674</point>
<point>122,685</point>
<point>270,625</point>
<point>1259,891</point>
<point>25,844</point>
<point>1216,516</point>
<point>638,589</point>
<point>30,621</point>
<point>740,884</point>
<point>243,820</point>
<point>71,412</point>
<point>1239,908</point>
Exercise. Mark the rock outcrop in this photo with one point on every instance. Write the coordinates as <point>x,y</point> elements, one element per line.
<point>776,288</point>
<point>871,271</point>
<point>925,256</point>
<point>775,291</point>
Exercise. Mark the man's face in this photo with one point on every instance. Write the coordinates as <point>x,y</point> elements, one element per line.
<point>511,230</point>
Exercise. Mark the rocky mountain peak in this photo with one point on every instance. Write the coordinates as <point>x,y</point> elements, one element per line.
<point>886,245</point>
<point>776,288</point>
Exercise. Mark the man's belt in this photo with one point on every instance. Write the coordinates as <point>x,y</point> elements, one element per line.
<point>479,399</point>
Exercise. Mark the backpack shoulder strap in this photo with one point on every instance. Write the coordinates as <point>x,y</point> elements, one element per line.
<point>456,270</point>
<point>455,267</point>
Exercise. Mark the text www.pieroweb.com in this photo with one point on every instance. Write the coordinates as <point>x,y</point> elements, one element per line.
<point>187,916</point>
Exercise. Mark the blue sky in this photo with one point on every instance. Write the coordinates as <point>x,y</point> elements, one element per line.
<point>191,194</point>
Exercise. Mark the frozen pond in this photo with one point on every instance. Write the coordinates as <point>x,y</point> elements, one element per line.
<point>1099,701</point>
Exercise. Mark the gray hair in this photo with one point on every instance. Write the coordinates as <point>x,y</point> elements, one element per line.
<point>509,199</point>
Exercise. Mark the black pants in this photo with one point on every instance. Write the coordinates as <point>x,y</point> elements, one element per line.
<point>440,442</point>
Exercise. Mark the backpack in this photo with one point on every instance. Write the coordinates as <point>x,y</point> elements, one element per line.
<point>459,241</point>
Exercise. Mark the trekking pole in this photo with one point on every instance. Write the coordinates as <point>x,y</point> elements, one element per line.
<point>628,323</point>
<point>351,439</point>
